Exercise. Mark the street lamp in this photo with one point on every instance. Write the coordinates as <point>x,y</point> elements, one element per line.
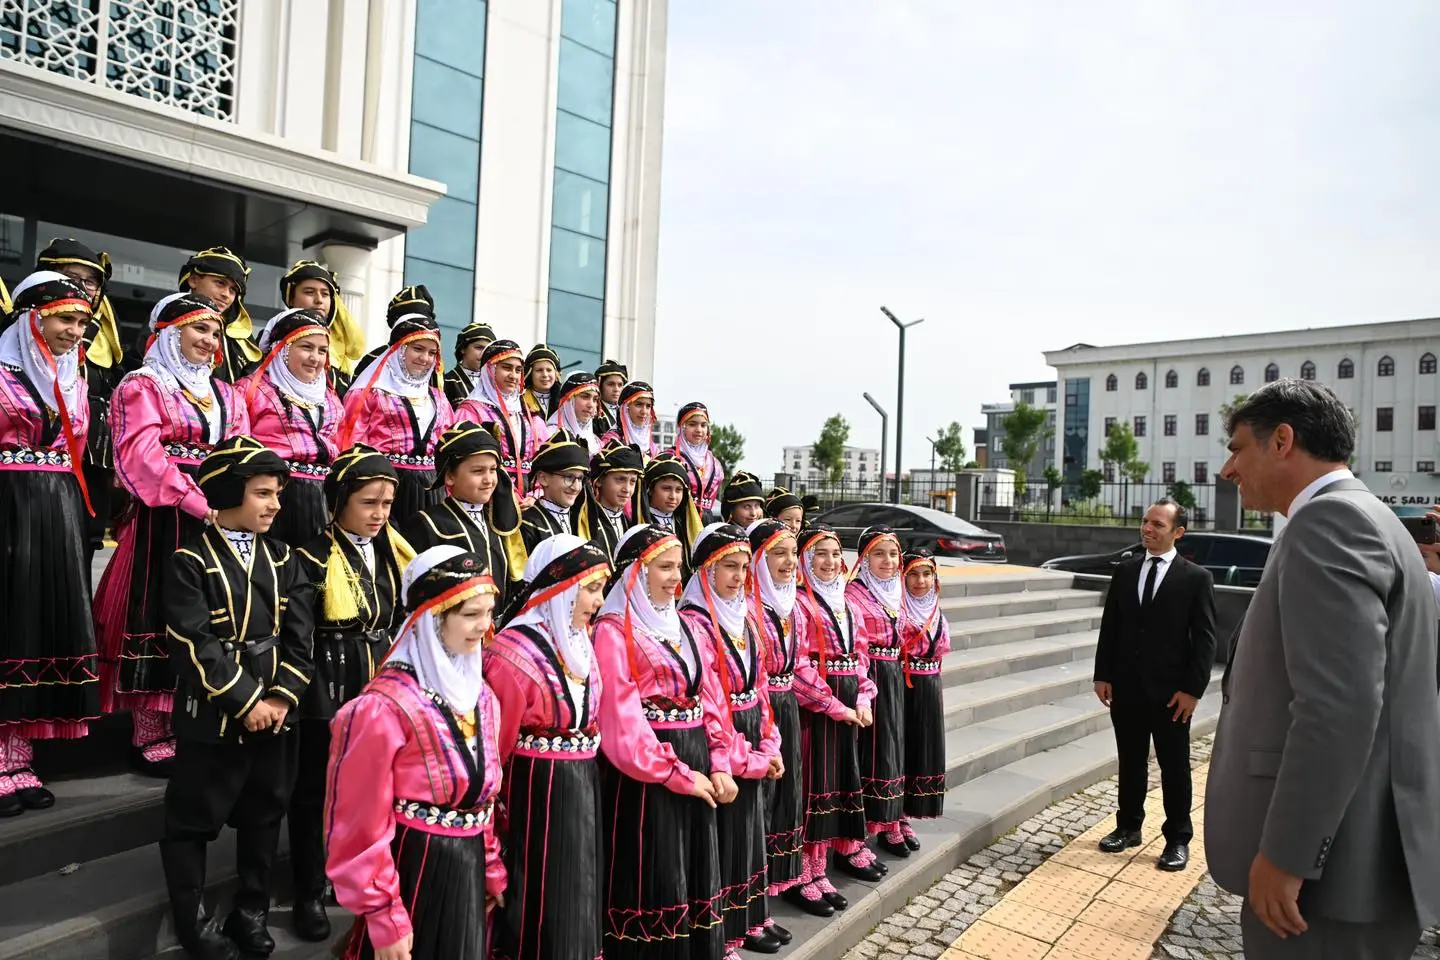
<point>884,430</point>
<point>900,398</point>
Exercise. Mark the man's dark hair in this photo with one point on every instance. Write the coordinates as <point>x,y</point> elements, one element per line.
<point>1322,424</point>
<point>1181,520</point>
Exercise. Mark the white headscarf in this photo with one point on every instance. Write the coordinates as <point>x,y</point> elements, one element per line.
<point>457,679</point>
<point>555,615</point>
<point>730,613</point>
<point>661,623</point>
<point>18,348</point>
<point>919,609</point>
<point>889,592</point>
<point>166,362</point>
<point>284,379</point>
<point>566,418</point>
<point>831,591</point>
<point>696,453</point>
<point>636,433</point>
<point>487,390</point>
<point>778,597</point>
<point>395,378</point>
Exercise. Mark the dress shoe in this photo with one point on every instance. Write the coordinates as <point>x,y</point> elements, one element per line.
<point>816,908</point>
<point>310,920</point>
<point>895,847</point>
<point>203,941</point>
<point>779,933</point>
<point>1175,857</point>
<point>247,929</point>
<point>882,866</point>
<point>36,798</point>
<point>764,943</point>
<point>836,899</point>
<point>1118,841</point>
<point>870,874</point>
<point>913,843</point>
<point>11,805</point>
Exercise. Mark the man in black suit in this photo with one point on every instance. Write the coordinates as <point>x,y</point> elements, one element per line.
<point>1152,665</point>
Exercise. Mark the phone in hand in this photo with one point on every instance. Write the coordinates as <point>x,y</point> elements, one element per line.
<point>1422,528</point>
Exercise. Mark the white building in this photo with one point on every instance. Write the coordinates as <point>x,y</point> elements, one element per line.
<point>663,430</point>
<point>861,464</point>
<point>1042,394</point>
<point>1170,394</point>
<point>506,155</point>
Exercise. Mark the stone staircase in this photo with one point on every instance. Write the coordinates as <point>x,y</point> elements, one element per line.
<point>1022,730</point>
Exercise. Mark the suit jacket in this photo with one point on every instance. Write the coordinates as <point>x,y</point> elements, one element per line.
<point>447,524</point>
<point>538,524</point>
<point>1327,757</point>
<point>457,386</point>
<point>1151,653</point>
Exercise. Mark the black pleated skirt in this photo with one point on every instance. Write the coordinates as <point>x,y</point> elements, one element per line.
<point>49,672</point>
<point>882,746</point>
<point>785,798</point>
<point>442,884</point>
<point>834,803</point>
<point>924,746</point>
<point>553,853</point>
<point>303,513</point>
<point>741,828</point>
<point>413,494</point>
<point>662,881</point>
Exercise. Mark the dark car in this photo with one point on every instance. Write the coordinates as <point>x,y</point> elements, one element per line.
<point>947,535</point>
<point>1234,559</point>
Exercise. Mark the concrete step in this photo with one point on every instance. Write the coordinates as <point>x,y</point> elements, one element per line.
<point>999,579</point>
<point>985,607</point>
<point>988,631</point>
<point>1016,656</point>
<point>1001,696</point>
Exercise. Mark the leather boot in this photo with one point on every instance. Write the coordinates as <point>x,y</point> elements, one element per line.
<point>247,929</point>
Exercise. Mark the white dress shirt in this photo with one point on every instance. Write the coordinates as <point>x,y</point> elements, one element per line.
<point>1314,487</point>
<point>1166,560</point>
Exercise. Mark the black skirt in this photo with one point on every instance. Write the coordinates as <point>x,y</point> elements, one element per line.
<point>49,679</point>
<point>741,828</point>
<point>785,798</point>
<point>882,746</point>
<point>924,746</point>
<point>442,884</point>
<point>303,512</point>
<point>553,853</point>
<point>834,803</point>
<point>662,885</point>
<point>413,494</point>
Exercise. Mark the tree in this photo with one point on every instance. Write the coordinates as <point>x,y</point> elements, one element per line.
<point>950,448</point>
<point>971,465</point>
<point>1225,410</point>
<point>829,451</point>
<point>728,445</point>
<point>1026,427</point>
<point>1053,482</point>
<point>1091,483</point>
<point>1180,492</point>
<point>1121,448</point>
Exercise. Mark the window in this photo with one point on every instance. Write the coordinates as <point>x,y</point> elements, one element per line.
<point>1237,552</point>
<point>1027,396</point>
<point>1384,419</point>
<point>1109,422</point>
<point>1346,370</point>
<point>1050,394</point>
<point>1307,371</point>
<point>1383,466</point>
<point>1170,424</point>
<point>1237,375</point>
<point>1425,418</point>
<point>1202,424</point>
<point>1112,383</point>
<point>1385,367</point>
<point>1427,363</point>
<point>1272,373</point>
<point>1142,382</point>
<point>1109,472</point>
<point>1202,377</point>
<point>1172,380</point>
<point>1202,471</point>
<point>1424,466</point>
<point>1167,471</point>
<point>1139,426</point>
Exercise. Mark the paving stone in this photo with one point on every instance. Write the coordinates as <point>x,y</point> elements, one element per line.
<point>926,950</point>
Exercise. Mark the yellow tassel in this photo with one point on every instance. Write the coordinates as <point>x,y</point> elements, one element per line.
<point>5,306</point>
<point>695,526</point>
<point>515,554</point>
<point>240,331</point>
<point>340,588</point>
<point>105,350</point>
<point>584,522</point>
<point>347,341</point>
<point>401,548</point>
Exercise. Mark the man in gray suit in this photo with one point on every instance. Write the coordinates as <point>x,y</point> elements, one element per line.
<point>1323,803</point>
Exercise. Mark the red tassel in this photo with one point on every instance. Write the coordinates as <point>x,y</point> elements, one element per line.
<point>72,443</point>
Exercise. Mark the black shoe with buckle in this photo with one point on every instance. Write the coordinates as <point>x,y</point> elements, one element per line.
<point>1176,857</point>
<point>1118,841</point>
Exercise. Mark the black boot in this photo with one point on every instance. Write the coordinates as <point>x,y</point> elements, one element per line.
<point>197,932</point>
<point>247,929</point>
<point>310,920</point>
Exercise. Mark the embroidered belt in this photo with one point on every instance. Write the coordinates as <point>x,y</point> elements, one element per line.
<point>842,664</point>
<point>659,712</point>
<point>743,699</point>
<point>410,460</point>
<point>885,653</point>
<point>924,666</point>
<point>569,742</point>
<point>249,648</point>
<point>25,457</point>
<point>437,816</point>
<point>317,470</point>
<point>781,681</point>
<point>188,451</point>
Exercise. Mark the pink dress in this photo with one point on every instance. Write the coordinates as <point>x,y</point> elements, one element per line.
<point>408,812</point>
<point>882,744</point>
<point>305,438</point>
<point>160,437</point>
<point>533,434</point>
<point>924,648</point>
<point>390,424</point>
<point>706,479</point>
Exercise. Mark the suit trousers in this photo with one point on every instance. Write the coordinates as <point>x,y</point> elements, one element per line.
<point>245,785</point>
<point>307,810</point>
<point>1391,939</point>
<point>1137,723</point>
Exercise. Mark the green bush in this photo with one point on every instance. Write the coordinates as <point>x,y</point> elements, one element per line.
<point>1076,512</point>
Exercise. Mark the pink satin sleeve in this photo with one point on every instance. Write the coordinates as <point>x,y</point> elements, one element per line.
<point>367,736</point>
<point>942,646</point>
<point>476,412</point>
<point>862,654</point>
<point>138,427</point>
<point>445,418</point>
<point>510,689</point>
<point>811,692</point>
<point>495,877</point>
<point>625,736</point>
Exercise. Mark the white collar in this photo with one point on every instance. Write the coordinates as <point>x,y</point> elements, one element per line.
<point>1168,556</point>
<point>1314,487</point>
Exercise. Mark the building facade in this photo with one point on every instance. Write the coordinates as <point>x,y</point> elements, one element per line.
<point>862,464</point>
<point>1170,394</point>
<point>1042,395</point>
<point>506,155</point>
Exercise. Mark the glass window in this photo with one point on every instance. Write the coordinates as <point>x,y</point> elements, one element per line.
<point>452,288</point>
<point>586,82</point>
<point>1384,419</point>
<point>1112,383</point>
<point>1346,370</point>
<point>575,322</point>
<point>1109,472</point>
<point>1234,552</point>
<point>1202,377</point>
<point>577,264</point>
<point>1424,466</point>
<point>1139,426</point>
<point>1167,471</point>
<point>1171,422</point>
<point>1202,471</point>
<point>1425,418</point>
<point>1427,363</point>
<point>1383,466</point>
<point>1237,375</point>
<point>1307,371</point>
<point>1172,380</point>
<point>1272,373</point>
<point>591,22</point>
<point>446,98</point>
<point>581,204</point>
<point>1050,391</point>
<point>1027,396</point>
<point>1141,381</point>
<point>582,147</point>
<point>453,32</point>
<point>1202,424</point>
<point>1109,422</point>
<point>448,235</point>
<point>443,156</point>
<point>1385,368</point>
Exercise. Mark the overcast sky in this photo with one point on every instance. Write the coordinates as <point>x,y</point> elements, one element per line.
<point>1024,176</point>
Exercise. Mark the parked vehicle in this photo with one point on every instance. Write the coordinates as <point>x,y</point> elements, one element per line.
<point>1233,559</point>
<point>947,535</point>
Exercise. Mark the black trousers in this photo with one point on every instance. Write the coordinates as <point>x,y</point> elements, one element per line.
<point>245,785</point>
<point>1137,723</point>
<point>307,810</point>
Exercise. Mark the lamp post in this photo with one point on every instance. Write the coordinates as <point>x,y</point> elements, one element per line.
<point>884,429</point>
<point>900,398</point>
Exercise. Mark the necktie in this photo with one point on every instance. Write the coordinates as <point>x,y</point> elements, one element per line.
<point>1150,582</point>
